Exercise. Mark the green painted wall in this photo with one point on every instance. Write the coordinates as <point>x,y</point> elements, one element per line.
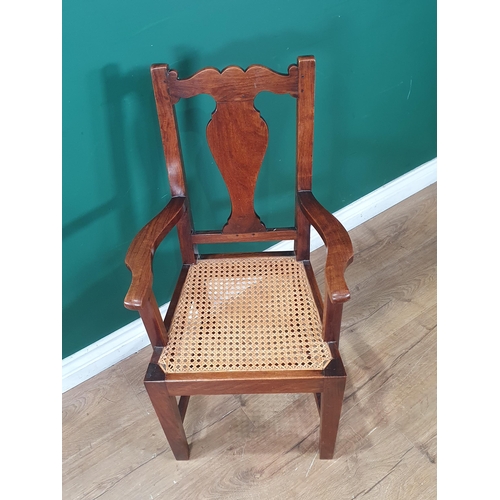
<point>375,120</point>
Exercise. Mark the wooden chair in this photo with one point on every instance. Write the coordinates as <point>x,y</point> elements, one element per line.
<point>242,323</point>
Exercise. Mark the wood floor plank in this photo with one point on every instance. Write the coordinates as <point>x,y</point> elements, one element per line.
<point>162,476</point>
<point>352,475</point>
<point>265,446</point>
<point>388,237</point>
<point>378,360</point>
<point>244,470</point>
<point>111,437</point>
<point>411,477</point>
<point>260,407</point>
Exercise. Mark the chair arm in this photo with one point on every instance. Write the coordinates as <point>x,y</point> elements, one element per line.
<point>141,251</point>
<point>337,241</point>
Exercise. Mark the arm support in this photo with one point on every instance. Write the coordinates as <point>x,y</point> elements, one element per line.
<point>338,245</point>
<point>141,251</point>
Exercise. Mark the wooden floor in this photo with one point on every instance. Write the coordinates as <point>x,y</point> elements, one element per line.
<point>265,446</point>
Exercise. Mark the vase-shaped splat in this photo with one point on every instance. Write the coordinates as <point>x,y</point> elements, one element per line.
<point>237,136</point>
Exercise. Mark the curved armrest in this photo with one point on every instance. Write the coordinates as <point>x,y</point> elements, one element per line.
<point>141,251</point>
<point>337,241</point>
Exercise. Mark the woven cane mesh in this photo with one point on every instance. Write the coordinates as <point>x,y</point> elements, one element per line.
<point>245,314</point>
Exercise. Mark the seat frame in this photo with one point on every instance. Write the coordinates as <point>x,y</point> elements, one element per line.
<point>239,149</point>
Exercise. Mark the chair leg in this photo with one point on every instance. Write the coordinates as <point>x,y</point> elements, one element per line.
<point>170,418</point>
<point>330,408</point>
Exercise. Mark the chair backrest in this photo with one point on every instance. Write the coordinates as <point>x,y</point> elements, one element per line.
<point>237,137</point>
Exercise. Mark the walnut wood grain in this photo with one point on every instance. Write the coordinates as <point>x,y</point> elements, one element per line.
<point>141,251</point>
<point>337,242</point>
<point>170,418</point>
<point>332,319</point>
<point>305,122</point>
<point>330,409</point>
<point>304,148</point>
<point>153,323</point>
<point>175,297</point>
<point>314,287</point>
<point>302,244</point>
<point>237,136</point>
<point>189,250</point>
<point>242,255</point>
<point>183,405</point>
<point>245,383</point>
<point>169,413</point>
<point>168,129</point>
<point>233,83</point>
<point>173,157</point>
<point>278,234</point>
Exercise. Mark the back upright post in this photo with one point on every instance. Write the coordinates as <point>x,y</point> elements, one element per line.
<point>173,156</point>
<point>305,135</point>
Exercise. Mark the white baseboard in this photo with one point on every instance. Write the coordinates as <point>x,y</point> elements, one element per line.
<point>375,202</point>
<point>104,353</point>
<point>131,338</point>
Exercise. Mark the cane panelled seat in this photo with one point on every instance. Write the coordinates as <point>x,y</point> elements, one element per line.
<point>241,323</point>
